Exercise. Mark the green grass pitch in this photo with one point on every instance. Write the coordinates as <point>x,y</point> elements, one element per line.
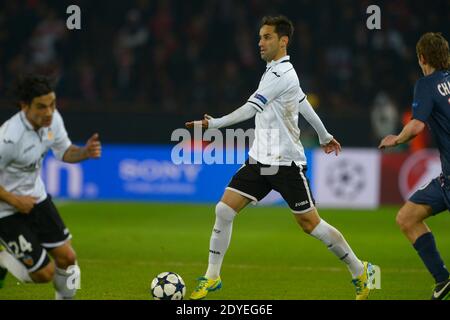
<point>122,246</point>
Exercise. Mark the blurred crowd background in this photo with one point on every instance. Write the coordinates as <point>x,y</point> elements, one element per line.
<point>173,59</point>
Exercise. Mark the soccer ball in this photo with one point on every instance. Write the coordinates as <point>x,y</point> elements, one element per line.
<point>168,286</point>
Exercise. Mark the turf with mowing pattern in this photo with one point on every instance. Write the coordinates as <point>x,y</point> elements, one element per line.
<point>122,246</point>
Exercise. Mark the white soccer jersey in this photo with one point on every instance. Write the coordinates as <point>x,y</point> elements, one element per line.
<point>277,136</point>
<point>22,151</point>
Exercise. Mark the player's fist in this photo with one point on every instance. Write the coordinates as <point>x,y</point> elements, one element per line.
<point>203,123</point>
<point>24,204</point>
<point>93,147</point>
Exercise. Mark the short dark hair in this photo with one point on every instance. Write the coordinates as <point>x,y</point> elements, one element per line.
<point>29,86</point>
<point>283,26</point>
<point>434,48</point>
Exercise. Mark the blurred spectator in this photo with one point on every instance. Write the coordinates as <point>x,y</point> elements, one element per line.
<point>384,117</point>
<point>193,56</point>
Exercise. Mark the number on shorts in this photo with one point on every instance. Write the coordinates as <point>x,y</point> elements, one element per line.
<point>22,246</point>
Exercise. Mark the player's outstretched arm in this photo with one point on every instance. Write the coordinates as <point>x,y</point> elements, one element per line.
<point>327,141</point>
<point>92,150</point>
<point>243,113</point>
<point>411,130</point>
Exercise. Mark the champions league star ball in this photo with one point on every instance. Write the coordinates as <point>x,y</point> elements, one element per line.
<point>168,286</point>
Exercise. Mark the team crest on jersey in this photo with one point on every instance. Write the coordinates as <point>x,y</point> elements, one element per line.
<point>28,261</point>
<point>50,135</point>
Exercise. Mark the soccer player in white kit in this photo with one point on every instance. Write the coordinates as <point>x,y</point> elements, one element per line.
<point>275,106</point>
<point>31,228</point>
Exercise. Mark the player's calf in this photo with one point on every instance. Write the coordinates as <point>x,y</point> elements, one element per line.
<point>44,275</point>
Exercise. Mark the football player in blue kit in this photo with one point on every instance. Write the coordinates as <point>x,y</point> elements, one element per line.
<point>431,107</point>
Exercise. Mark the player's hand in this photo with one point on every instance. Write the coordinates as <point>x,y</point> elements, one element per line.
<point>388,141</point>
<point>332,146</point>
<point>203,123</point>
<point>93,147</point>
<point>24,204</point>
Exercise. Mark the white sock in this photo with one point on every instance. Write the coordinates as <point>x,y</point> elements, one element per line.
<point>17,269</point>
<point>220,239</point>
<point>66,282</point>
<point>335,241</point>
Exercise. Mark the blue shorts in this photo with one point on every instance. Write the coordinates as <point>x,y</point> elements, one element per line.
<point>436,194</point>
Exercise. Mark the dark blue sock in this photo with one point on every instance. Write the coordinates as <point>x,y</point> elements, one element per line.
<point>426,248</point>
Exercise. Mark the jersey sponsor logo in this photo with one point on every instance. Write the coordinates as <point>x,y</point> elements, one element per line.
<point>276,74</point>
<point>415,105</point>
<point>261,98</point>
<point>7,141</point>
<point>417,171</point>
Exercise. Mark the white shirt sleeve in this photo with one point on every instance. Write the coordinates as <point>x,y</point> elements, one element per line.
<point>7,152</point>
<point>266,92</point>
<point>7,148</point>
<point>311,116</point>
<point>243,113</point>
<point>61,139</point>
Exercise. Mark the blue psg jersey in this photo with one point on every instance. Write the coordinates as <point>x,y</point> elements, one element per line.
<point>432,105</point>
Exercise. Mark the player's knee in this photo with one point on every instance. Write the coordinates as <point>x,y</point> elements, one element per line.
<point>307,227</point>
<point>307,223</point>
<point>405,220</point>
<point>225,212</point>
<point>67,259</point>
<point>44,275</point>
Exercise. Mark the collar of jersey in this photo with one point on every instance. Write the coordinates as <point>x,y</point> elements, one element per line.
<point>25,121</point>
<point>275,62</point>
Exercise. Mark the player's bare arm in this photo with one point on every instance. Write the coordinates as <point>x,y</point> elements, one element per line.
<point>411,130</point>
<point>23,204</point>
<point>92,150</point>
